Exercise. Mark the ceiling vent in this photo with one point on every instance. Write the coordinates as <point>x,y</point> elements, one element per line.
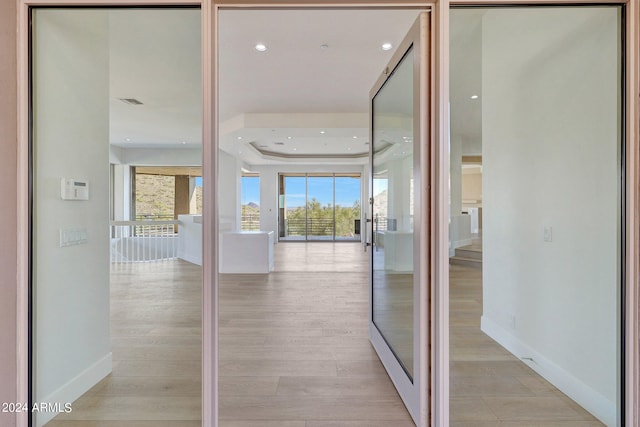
<point>130,101</point>
<point>278,143</point>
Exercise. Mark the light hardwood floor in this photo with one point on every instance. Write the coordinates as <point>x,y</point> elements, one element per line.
<point>294,352</point>
<point>488,385</point>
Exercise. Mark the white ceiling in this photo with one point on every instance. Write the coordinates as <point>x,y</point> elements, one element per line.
<point>155,58</point>
<point>276,101</point>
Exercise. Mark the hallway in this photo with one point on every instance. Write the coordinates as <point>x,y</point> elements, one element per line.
<point>295,349</point>
<point>294,352</point>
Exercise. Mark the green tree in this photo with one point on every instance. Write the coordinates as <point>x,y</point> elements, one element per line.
<point>320,219</point>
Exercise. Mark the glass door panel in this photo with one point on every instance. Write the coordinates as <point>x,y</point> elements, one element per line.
<point>399,264</point>
<point>320,208</point>
<point>393,246</point>
<point>347,208</point>
<point>293,208</point>
<point>537,221</point>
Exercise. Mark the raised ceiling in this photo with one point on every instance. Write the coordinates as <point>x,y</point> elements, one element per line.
<point>314,77</point>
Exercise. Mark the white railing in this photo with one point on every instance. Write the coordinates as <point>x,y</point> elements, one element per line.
<point>140,241</point>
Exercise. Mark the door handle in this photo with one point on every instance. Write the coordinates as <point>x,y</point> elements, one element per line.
<point>365,240</point>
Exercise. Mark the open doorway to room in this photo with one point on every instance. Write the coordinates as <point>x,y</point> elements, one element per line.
<point>536,226</point>
<point>293,107</point>
<point>116,277</point>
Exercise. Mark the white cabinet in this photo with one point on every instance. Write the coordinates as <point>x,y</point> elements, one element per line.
<point>246,252</point>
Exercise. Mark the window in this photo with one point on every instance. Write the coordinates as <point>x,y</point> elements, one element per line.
<point>250,196</point>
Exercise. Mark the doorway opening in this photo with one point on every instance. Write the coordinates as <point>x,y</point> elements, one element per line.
<point>294,337</point>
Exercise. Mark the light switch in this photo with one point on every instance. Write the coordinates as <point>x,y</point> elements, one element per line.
<point>548,234</point>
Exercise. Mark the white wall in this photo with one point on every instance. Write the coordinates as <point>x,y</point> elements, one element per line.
<point>157,156</point>
<point>472,187</point>
<point>229,186</point>
<point>550,153</point>
<point>269,187</point>
<point>71,284</point>
<point>121,192</point>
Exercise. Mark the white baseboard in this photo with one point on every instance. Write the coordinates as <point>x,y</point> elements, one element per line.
<point>592,401</point>
<point>74,388</point>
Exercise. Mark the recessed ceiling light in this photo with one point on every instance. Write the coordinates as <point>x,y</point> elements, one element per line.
<point>349,148</point>
<point>295,149</point>
<point>260,47</point>
<point>289,137</point>
<point>239,137</point>
<point>184,142</point>
<point>387,46</point>
<point>355,137</point>
<point>474,96</point>
<point>322,132</point>
<point>127,139</point>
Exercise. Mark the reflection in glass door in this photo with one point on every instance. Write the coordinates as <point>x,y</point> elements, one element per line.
<point>393,244</point>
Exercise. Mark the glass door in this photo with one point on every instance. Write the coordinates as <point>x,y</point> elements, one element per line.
<point>399,264</point>
<point>293,199</point>
<point>348,209</point>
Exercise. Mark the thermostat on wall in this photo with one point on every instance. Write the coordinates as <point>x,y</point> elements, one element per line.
<point>74,189</point>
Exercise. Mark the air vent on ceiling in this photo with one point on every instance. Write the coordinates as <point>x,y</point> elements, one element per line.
<point>130,101</point>
<point>279,143</point>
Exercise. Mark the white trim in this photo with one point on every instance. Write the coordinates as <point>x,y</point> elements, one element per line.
<point>439,280</point>
<point>23,261</point>
<point>406,389</point>
<point>632,273</point>
<point>74,388</point>
<point>594,402</point>
<point>210,214</point>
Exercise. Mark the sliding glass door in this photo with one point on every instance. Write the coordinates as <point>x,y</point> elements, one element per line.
<point>347,202</point>
<point>320,207</point>
<point>323,206</point>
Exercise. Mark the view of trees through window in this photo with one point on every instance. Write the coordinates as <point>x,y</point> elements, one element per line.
<point>321,207</point>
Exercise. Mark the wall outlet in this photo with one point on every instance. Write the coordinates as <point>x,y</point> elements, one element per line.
<point>547,234</point>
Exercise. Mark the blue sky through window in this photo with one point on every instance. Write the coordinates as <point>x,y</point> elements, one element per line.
<point>347,190</point>
<point>321,188</point>
<point>250,191</point>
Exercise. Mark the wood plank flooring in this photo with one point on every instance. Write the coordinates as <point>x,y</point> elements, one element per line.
<point>156,345</point>
<point>294,352</point>
<point>312,315</point>
<point>488,385</point>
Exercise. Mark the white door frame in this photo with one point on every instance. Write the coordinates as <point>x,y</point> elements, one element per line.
<point>439,315</point>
